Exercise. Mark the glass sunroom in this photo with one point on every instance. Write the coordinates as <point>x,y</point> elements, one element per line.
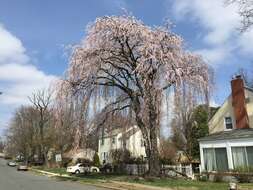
<point>227,150</point>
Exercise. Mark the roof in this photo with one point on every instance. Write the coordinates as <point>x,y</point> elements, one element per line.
<point>130,132</point>
<point>126,131</point>
<point>246,87</point>
<point>229,135</point>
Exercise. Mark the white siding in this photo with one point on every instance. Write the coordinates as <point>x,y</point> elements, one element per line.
<point>133,144</point>
<point>216,123</point>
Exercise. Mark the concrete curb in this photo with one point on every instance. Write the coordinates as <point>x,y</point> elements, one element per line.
<point>122,185</point>
<point>50,174</point>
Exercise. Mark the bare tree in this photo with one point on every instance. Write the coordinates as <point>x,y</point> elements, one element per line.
<point>168,151</point>
<point>1,145</point>
<point>41,101</point>
<point>248,79</point>
<point>131,65</point>
<point>245,11</point>
<point>21,134</point>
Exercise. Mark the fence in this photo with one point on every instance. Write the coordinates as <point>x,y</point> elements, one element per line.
<point>136,169</point>
<point>178,170</point>
<point>171,170</point>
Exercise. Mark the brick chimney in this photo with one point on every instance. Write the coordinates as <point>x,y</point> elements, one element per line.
<point>239,102</point>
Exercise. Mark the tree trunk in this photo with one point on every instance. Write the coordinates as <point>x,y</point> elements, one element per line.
<point>153,103</point>
<point>149,131</point>
<point>153,155</point>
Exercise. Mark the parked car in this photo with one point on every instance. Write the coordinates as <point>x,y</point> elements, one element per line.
<point>2,155</point>
<point>94,169</point>
<point>22,167</point>
<point>12,163</point>
<point>82,168</point>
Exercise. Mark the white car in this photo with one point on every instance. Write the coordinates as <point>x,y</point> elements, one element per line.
<point>22,167</point>
<point>12,164</point>
<point>81,168</point>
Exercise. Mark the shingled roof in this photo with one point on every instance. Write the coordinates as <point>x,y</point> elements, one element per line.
<point>230,135</point>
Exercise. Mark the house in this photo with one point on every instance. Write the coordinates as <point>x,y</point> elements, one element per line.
<point>229,145</point>
<point>130,139</point>
<point>76,154</point>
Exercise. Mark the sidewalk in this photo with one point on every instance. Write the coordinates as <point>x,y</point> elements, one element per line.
<point>115,185</point>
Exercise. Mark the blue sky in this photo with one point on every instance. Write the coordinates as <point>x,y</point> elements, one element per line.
<point>34,34</point>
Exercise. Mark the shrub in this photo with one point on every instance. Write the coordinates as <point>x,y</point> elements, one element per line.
<point>96,161</point>
<point>120,156</point>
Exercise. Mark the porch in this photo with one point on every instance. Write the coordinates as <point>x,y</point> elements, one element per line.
<point>227,151</point>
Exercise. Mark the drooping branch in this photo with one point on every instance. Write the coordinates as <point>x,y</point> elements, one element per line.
<point>129,66</point>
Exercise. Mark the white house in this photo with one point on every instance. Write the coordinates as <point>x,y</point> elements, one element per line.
<point>230,143</point>
<point>114,140</point>
<point>76,154</point>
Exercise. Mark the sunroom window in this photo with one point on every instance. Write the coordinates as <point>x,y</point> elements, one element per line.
<point>242,157</point>
<point>215,159</point>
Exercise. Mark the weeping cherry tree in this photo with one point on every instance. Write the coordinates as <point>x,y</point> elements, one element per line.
<point>131,66</point>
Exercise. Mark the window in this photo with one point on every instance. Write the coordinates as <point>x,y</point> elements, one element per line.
<point>209,159</point>
<point>113,140</point>
<point>249,151</point>
<point>221,159</point>
<point>215,159</point>
<point>106,156</point>
<point>242,157</point>
<point>102,141</point>
<point>228,123</point>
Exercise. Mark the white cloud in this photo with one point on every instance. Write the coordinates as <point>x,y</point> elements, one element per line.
<point>214,55</point>
<point>18,76</point>
<point>22,80</point>
<point>220,24</point>
<point>11,48</point>
<point>219,20</point>
<point>245,42</point>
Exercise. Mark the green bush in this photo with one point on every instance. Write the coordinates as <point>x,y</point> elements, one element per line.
<point>96,161</point>
<point>120,156</point>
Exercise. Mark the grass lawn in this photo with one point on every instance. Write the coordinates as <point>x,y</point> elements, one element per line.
<point>53,170</point>
<point>184,184</point>
<point>171,183</point>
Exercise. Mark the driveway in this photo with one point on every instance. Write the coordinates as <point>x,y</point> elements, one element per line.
<point>11,179</point>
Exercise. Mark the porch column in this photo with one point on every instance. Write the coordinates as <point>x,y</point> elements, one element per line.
<point>202,165</point>
<point>230,158</point>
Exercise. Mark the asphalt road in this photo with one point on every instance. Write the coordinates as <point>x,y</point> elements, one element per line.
<point>11,179</point>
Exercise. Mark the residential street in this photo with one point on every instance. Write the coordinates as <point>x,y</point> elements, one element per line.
<point>11,179</point>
